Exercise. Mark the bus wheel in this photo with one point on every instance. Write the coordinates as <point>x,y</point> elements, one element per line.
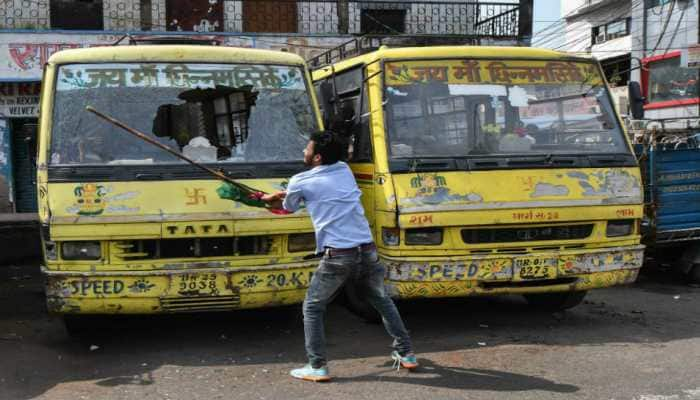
<point>80,327</point>
<point>356,303</point>
<point>555,301</point>
<point>694,275</point>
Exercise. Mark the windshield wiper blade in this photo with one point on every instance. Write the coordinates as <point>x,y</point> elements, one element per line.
<point>528,161</point>
<point>547,160</point>
<point>612,160</point>
<point>424,164</point>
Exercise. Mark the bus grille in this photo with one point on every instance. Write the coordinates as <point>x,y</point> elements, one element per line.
<point>193,248</point>
<point>200,303</point>
<point>526,234</point>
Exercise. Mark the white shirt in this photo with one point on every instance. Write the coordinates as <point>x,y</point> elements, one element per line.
<point>332,198</point>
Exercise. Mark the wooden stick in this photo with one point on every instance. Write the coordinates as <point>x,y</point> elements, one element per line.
<point>177,154</point>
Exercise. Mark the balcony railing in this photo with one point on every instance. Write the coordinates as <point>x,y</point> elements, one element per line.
<point>368,43</point>
<point>495,20</point>
<point>498,20</point>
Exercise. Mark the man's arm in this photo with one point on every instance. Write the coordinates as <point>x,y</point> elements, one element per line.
<point>274,199</point>
<point>289,199</point>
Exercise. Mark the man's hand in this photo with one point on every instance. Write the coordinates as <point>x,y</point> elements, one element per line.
<point>274,199</point>
<point>268,198</point>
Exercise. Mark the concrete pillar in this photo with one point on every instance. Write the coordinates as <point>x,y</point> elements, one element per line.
<point>525,22</point>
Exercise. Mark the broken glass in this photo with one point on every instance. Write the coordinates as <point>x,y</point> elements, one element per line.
<point>214,113</point>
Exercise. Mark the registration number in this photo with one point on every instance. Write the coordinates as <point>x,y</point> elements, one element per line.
<point>535,268</point>
<point>196,283</point>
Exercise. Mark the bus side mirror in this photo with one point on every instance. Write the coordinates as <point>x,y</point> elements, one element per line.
<point>344,120</point>
<point>636,99</point>
<point>327,99</point>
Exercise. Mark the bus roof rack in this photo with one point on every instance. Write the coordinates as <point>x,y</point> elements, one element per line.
<point>367,43</point>
<point>185,40</point>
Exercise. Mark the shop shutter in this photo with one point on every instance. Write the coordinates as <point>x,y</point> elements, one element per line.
<point>24,167</point>
<point>5,167</point>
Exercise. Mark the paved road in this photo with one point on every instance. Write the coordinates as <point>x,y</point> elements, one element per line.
<point>640,342</point>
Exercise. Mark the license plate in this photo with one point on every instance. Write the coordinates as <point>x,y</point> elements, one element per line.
<point>535,268</point>
<point>199,284</point>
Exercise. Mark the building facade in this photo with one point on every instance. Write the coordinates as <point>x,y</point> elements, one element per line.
<point>603,28</point>
<point>32,30</point>
<point>666,28</point>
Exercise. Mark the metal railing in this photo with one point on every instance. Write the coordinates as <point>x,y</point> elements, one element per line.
<point>346,50</point>
<point>496,20</point>
<point>490,20</point>
<point>367,43</point>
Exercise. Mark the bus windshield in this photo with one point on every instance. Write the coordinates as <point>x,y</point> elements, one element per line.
<point>213,113</point>
<point>462,108</point>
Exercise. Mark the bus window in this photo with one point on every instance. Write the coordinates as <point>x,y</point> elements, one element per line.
<point>221,113</point>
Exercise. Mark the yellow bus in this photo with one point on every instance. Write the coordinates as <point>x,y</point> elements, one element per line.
<point>128,227</point>
<point>488,170</point>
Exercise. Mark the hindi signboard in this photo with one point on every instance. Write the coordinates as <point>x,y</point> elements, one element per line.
<point>690,57</point>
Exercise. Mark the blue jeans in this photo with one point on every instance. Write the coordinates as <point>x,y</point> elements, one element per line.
<point>361,268</point>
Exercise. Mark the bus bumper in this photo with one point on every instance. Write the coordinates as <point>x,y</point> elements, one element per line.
<point>172,291</point>
<point>557,271</point>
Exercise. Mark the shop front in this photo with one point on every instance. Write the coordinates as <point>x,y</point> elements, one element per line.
<point>19,109</point>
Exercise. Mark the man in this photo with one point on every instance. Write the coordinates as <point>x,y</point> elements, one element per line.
<point>331,196</point>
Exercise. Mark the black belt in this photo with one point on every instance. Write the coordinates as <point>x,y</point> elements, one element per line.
<point>331,251</point>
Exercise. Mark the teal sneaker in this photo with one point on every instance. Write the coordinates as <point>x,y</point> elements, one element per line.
<point>408,361</point>
<point>309,373</point>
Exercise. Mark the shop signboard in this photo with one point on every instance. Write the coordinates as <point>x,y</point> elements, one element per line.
<point>690,57</point>
<point>19,100</point>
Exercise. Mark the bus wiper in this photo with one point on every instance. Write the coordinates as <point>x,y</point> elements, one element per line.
<point>611,160</point>
<point>558,98</point>
<point>547,160</point>
<point>529,161</point>
<point>429,162</point>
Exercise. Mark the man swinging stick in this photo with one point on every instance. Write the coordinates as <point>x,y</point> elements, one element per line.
<point>331,196</point>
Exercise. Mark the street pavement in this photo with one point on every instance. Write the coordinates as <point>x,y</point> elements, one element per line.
<point>640,342</point>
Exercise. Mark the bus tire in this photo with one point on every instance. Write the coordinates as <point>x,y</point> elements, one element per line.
<point>356,303</point>
<point>79,327</point>
<point>558,301</point>
<point>694,275</point>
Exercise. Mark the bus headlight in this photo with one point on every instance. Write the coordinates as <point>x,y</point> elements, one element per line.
<point>50,250</point>
<point>622,227</point>
<point>425,236</point>
<point>390,236</point>
<point>81,251</point>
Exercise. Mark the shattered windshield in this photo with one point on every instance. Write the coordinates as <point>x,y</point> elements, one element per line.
<point>214,113</point>
<point>481,107</point>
